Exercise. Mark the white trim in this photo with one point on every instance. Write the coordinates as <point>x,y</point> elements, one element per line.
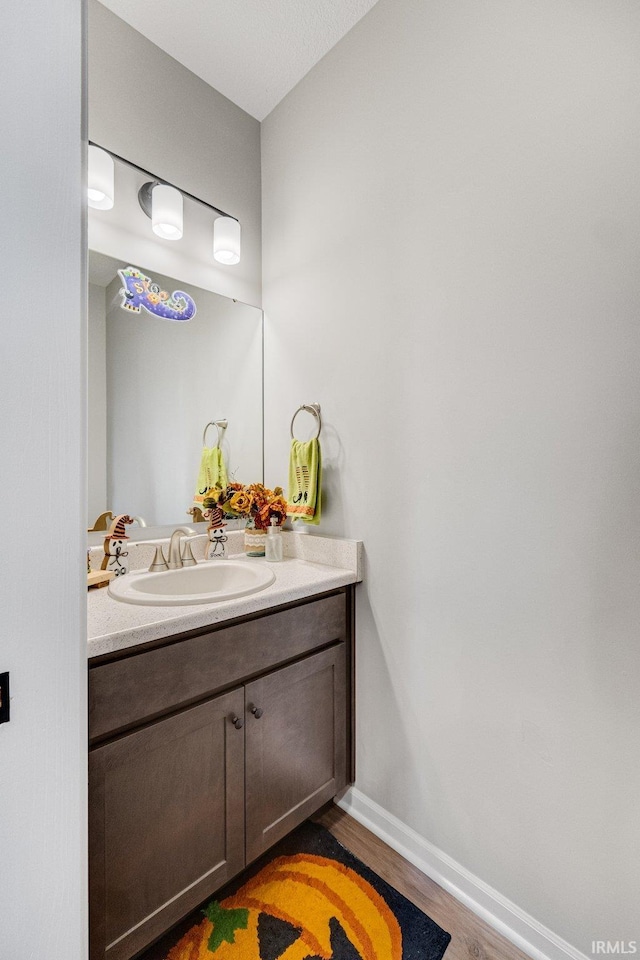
<point>518,927</point>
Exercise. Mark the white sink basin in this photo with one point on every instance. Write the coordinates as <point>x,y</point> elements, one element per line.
<point>205,583</point>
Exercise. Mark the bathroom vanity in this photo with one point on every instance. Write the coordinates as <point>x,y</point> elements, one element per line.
<point>209,742</point>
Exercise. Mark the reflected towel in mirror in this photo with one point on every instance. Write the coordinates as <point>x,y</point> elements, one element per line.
<point>213,472</point>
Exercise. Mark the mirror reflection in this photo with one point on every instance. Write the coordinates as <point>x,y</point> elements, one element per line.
<point>159,372</point>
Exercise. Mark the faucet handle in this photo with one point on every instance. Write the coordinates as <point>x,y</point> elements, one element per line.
<point>187,557</point>
<point>159,563</point>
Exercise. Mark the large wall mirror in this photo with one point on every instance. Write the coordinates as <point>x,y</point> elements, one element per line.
<point>155,383</point>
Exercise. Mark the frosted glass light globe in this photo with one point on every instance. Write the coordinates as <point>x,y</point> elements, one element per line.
<point>226,240</point>
<point>166,212</point>
<point>100,179</point>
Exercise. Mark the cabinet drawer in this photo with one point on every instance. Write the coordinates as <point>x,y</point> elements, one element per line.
<point>154,682</point>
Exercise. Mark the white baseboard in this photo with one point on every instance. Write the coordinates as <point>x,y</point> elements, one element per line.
<point>504,916</point>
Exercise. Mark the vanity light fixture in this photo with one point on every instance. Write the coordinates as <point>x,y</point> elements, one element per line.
<point>226,240</point>
<point>163,203</point>
<point>166,212</point>
<point>100,178</point>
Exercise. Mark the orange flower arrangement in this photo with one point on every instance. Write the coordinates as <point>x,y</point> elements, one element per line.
<point>266,504</point>
<point>254,502</point>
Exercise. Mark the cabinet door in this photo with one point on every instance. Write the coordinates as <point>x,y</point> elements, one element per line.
<point>166,823</point>
<point>295,745</point>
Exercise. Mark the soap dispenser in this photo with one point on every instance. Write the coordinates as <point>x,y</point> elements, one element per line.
<point>274,549</point>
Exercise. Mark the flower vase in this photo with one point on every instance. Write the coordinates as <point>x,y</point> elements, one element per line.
<point>254,541</point>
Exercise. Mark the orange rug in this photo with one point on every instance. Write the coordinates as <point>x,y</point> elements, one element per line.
<point>310,899</point>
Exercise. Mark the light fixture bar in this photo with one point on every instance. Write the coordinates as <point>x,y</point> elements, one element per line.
<point>159,180</point>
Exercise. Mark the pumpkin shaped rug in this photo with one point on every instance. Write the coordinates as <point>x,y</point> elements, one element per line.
<point>307,905</point>
<point>313,898</point>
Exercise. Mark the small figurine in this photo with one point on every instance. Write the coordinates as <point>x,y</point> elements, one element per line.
<point>115,557</point>
<point>217,539</point>
<point>196,514</point>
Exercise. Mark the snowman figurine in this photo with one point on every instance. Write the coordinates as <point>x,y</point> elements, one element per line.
<point>217,539</point>
<point>116,558</point>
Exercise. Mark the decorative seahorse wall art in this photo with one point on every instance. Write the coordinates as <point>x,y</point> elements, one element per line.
<point>139,291</point>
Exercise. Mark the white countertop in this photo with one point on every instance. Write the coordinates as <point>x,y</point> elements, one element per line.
<point>312,565</point>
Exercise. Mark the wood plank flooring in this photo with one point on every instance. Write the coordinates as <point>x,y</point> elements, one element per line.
<point>471,937</point>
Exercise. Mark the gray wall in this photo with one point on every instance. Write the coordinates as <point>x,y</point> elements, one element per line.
<point>148,108</point>
<point>42,486</point>
<point>451,208</point>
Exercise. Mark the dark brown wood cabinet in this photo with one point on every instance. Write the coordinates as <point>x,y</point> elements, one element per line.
<point>295,745</point>
<point>166,822</point>
<point>252,735</point>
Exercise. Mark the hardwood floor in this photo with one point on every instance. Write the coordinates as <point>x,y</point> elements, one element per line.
<point>471,937</point>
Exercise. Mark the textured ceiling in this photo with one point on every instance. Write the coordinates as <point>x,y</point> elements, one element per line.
<point>253,51</point>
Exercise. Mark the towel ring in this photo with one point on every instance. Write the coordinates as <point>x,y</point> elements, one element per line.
<point>220,425</point>
<point>314,410</point>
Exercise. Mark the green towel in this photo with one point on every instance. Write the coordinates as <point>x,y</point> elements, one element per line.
<point>305,478</point>
<point>213,473</point>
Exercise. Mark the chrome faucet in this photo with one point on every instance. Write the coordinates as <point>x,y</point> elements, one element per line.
<point>175,559</point>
